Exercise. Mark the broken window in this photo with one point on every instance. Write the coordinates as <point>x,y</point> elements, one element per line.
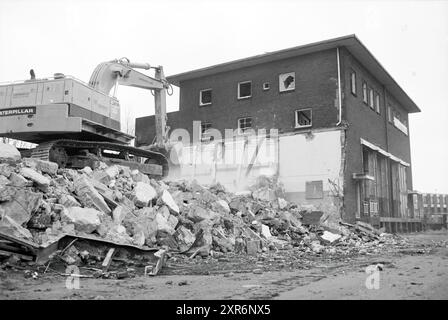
<point>364,92</point>
<point>204,134</point>
<point>244,89</point>
<point>303,118</point>
<point>287,81</point>
<point>244,124</point>
<point>371,101</point>
<point>377,102</point>
<point>353,82</point>
<point>205,97</point>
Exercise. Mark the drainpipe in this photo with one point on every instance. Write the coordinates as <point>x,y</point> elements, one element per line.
<point>339,87</point>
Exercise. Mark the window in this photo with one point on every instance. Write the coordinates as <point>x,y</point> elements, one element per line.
<point>303,118</point>
<point>266,86</point>
<point>287,81</point>
<point>244,124</point>
<point>390,114</point>
<point>377,102</point>
<point>205,97</point>
<point>244,90</point>
<point>353,82</point>
<point>371,101</point>
<point>204,127</point>
<point>364,92</point>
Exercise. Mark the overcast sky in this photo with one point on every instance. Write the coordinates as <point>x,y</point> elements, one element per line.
<point>409,38</point>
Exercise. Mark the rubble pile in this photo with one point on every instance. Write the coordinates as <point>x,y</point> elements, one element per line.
<point>39,202</point>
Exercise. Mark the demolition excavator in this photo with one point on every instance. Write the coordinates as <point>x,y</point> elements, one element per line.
<point>76,124</point>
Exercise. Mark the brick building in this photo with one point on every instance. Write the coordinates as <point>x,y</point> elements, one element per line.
<point>333,86</point>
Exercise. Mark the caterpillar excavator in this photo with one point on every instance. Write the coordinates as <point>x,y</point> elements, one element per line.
<point>76,124</point>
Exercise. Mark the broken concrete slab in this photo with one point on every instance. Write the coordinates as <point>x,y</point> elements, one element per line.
<point>198,214</point>
<point>143,194</point>
<point>41,165</point>
<point>88,195</point>
<point>9,152</point>
<point>330,237</point>
<point>68,200</point>
<point>112,171</point>
<point>6,169</point>
<point>19,204</point>
<point>19,181</point>
<point>11,227</point>
<point>164,225</point>
<point>185,238</point>
<point>41,182</point>
<point>265,232</point>
<point>85,219</point>
<point>169,201</point>
<point>120,213</point>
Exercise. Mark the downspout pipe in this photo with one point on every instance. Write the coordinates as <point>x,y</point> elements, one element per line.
<point>339,87</point>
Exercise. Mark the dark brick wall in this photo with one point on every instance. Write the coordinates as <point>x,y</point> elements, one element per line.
<point>364,122</point>
<point>316,88</point>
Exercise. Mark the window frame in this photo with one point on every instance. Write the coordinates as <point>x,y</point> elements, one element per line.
<point>200,97</point>
<point>353,87</point>
<point>239,127</point>
<point>365,93</point>
<point>239,92</point>
<point>371,98</point>
<point>280,82</point>
<point>296,118</point>
<point>202,133</point>
<point>377,103</point>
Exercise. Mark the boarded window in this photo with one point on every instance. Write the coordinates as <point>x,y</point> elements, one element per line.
<point>304,118</point>
<point>353,82</point>
<point>205,97</point>
<point>244,124</point>
<point>244,89</point>
<point>287,81</point>
<point>314,189</point>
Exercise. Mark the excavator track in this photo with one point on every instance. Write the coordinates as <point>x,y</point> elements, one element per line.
<point>79,154</point>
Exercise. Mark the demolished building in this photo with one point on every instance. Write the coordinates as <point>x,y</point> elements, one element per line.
<point>343,135</point>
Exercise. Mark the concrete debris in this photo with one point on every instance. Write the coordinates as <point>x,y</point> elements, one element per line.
<point>185,238</point>
<point>89,196</point>
<point>17,180</point>
<point>331,237</point>
<point>39,202</point>
<point>19,204</point>
<point>41,182</point>
<point>85,219</point>
<point>8,152</point>
<point>4,181</point>
<point>41,165</point>
<point>10,226</point>
<point>143,194</point>
<point>169,201</point>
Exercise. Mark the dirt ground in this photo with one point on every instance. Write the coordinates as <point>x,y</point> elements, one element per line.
<point>417,271</point>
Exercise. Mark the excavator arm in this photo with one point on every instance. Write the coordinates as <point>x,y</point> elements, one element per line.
<point>108,75</point>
